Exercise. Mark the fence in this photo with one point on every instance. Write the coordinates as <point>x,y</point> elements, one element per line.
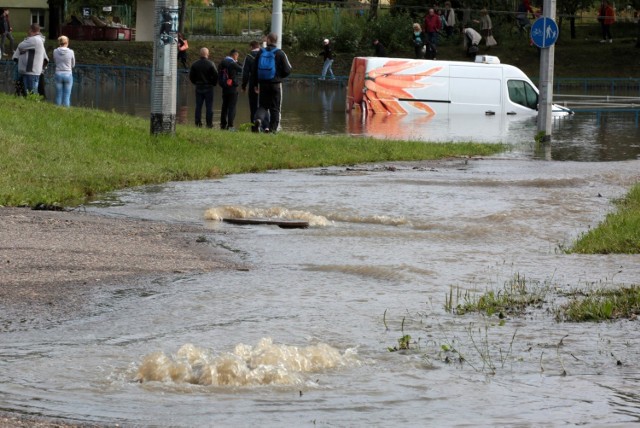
<point>228,20</point>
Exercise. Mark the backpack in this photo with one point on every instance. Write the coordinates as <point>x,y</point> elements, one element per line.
<point>223,78</point>
<point>267,64</point>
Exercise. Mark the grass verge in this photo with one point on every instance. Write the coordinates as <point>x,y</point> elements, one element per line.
<point>54,156</point>
<point>519,295</point>
<point>602,305</point>
<point>620,231</point>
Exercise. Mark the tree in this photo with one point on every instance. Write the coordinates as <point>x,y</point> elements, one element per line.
<point>373,9</point>
<point>569,9</point>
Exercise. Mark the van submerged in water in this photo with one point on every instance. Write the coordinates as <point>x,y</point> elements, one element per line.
<point>413,86</point>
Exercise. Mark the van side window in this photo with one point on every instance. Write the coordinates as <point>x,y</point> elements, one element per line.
<point>521,92</point>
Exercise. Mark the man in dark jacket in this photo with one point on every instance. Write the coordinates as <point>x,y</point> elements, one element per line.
<point>5,30</point>
<point>379,49</point>
<point>247,68</point>
<point>229,69</point>
<point>204,75</point>
<point>270,91</point>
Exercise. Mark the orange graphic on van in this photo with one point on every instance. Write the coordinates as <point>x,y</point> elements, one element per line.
<point>382,89</point>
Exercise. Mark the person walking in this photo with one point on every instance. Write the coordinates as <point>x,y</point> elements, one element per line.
<point>327,53</point>
<point>432,24</point>
<point>204,75</point>
<point>247,68</point>
<point>65,60</point>
<point>271,67</point>
<point>228,79</point>
<point>606,17</point>
<point>5,30</point>
<point>31,57</point>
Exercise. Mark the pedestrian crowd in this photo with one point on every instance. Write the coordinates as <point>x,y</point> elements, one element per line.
<point>261,75</point>
<point>265,65</point>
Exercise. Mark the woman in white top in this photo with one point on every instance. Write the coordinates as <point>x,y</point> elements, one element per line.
<point>65,61</point>
<point>485,23</point>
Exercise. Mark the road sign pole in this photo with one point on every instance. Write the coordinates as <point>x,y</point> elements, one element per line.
<point>545,118</point>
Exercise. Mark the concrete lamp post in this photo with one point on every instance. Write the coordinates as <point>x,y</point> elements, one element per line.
<point>163,75</point>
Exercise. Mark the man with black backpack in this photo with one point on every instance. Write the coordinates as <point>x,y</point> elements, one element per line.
<point>269,69</point>
<point>228,81</point>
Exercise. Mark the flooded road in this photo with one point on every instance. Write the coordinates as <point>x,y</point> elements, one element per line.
<point>302,335</point>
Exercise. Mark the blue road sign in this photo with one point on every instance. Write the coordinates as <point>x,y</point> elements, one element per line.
<point>544,32</point>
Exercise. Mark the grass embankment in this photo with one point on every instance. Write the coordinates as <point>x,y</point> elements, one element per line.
<point>59,157</point>
<point>618,233</point>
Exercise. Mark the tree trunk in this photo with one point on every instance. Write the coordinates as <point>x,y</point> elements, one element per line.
<point>55,18</point>
<point>373,9</point>
<point>572,25</point>
<point>183,16</point>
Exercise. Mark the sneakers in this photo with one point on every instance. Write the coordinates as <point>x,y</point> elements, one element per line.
<point>610,40</point>
<point>256,126</point>
<point>321,78</point>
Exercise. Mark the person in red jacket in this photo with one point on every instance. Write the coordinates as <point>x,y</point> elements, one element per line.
<point>432,24</point>
<point>606,17</point>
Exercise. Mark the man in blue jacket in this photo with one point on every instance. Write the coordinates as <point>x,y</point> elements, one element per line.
<point>270,90</point>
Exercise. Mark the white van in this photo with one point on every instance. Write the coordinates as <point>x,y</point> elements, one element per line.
<point>413,86</point>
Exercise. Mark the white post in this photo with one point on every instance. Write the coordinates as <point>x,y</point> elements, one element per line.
<point>545,118</point>
<point>276,21</point>
<point>165,61</point>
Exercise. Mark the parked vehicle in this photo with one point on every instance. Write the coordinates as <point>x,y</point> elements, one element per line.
<point>407,86</point>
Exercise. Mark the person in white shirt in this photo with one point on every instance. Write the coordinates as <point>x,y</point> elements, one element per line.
<point>471,40</point>
<point>31,57</point>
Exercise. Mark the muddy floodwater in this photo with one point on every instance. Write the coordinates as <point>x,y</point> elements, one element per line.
<point>306,332</point>
<point>301,335</point>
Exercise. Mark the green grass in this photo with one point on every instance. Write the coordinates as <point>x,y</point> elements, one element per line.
<point>519,295</point>
<point>618,233</point>
<point>514,298</point>
<point>603,305</point>
<point>61,157</point>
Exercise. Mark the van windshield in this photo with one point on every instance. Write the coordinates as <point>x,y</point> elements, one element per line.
<point>521,92</point>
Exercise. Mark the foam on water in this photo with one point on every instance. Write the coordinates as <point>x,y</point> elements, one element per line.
<point>263,364</point>
<point>236,211</point>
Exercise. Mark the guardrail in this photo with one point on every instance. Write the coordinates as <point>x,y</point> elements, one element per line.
<point>597,103</point>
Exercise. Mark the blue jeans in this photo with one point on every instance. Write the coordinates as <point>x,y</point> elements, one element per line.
<point>64,83</point>
<point>327,67</point>
<point>31,83</point>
